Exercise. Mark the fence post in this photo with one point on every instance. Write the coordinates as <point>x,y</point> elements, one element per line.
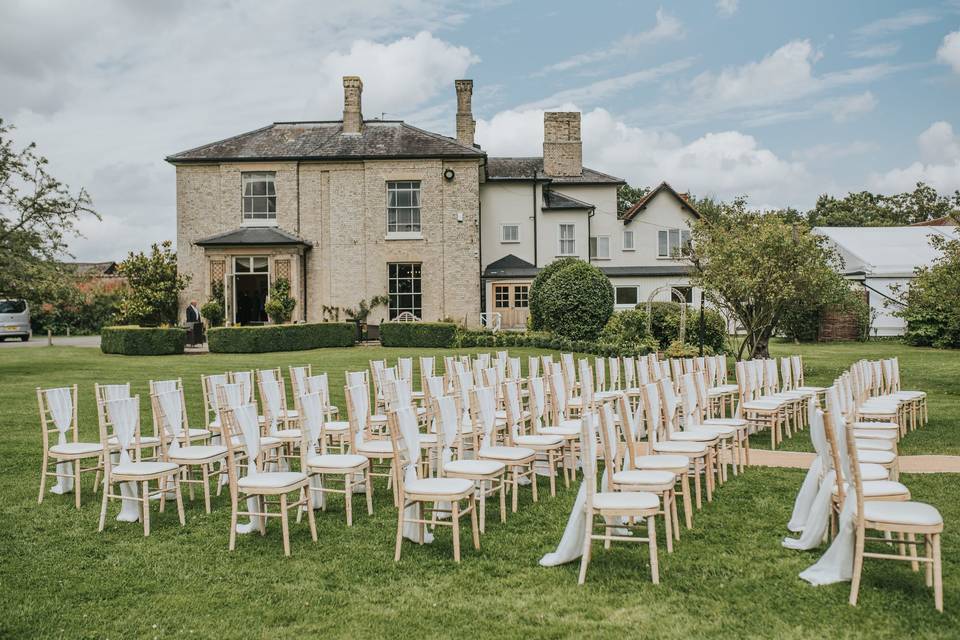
<point>49,338</point>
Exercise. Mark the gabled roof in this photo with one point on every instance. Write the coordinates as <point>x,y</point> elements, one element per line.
<point>252,236</point>
<point>325,140</point>
<point>510,266</point>
<point>663,187</point>
<point>945,221</point>
<point>553,200</point>
<point>892,252</point>
<point>531,168</point>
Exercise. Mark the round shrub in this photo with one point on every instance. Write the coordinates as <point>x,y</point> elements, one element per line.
<point>626,327</point>
<point>577,301</point>
<point>535,321</point>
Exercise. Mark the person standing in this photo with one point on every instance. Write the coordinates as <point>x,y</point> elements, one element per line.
<point>193,312</point>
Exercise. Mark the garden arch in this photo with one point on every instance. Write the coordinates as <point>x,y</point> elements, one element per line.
<point>674,292</point>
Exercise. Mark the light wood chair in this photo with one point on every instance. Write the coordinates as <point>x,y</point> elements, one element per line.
<point>373,446</point>
<point>549,448</point>
<point>58,415</point>
<point>673,433</point>
<point>545,423</point>
<point>150,444</point>
<point>520,460</point>
<point>195,435</point>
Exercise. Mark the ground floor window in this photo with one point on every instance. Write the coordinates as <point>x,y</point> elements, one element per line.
<point>626,295</point>
<point>403,288</point>
<point>501,296</point>
<point>521,296</point>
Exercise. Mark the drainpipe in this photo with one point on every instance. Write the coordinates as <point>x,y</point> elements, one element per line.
<point>589,216</point>
<point>535,260</point>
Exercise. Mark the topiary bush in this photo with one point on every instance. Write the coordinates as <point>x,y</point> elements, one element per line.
<point>418,334</point>
<point>287,337</point>
<point>577,301</point>
<point>279,306</point>
<point>535,321</point>
<point>665,325</point>
<point>143,341</point>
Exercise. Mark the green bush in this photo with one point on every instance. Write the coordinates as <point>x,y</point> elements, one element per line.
<point>535,321</point>
<point>418,334</point>
<point>143,341</point>
<point>932,310</point>
<point>285,337</point>
<point>280,305</point>
<point>665,325</point>
<point>679,349</point>
<point>541,340</point>
<point>577,301</point>
<point>628,328</point>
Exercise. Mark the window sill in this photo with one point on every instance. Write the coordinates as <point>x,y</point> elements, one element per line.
<point>630,250</point>
<point>412,235</point>
<point>509,242</point>
<point>600,259</point>
<point>259,223</point>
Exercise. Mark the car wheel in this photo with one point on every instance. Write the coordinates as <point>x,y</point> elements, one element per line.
<point>24,338</point>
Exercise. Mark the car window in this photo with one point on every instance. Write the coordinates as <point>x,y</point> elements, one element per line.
<point>12,306</point>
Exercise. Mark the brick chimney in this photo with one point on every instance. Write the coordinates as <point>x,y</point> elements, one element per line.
<point>465,122</point>
<point>352,118</point>
<point>562,149</point>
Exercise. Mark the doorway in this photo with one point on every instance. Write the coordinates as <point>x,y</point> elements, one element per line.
<point>511,300</point>
<point>251,287</point>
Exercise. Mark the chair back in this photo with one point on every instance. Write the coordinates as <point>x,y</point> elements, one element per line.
<point>124,415</point>
<point>58,414</point>
<point>588,458</point>
<point>211,397</point>
<point>653,411</point>
<point>483,410</point>
<point>168,416</point>
<point>614,364</point>
<point>533,367</point>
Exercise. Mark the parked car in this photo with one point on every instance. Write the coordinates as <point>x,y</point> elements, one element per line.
<point>14,319</point>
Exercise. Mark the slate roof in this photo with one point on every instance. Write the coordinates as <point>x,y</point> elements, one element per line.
<point>510,266</point>
<point>532,168</point>
<point>553,200</point>
<point>92,268</point>
<point>642,203</point>
<point>325,140</point>
<point>252,236</point>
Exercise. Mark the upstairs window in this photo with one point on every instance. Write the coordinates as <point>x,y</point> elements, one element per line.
<point>567,235</point>
<point>259,196</point>
<point>628,240</point>
<point>509,233</point>
<point>600,247</point>
<point>673,242</point>
<point>403,207</point>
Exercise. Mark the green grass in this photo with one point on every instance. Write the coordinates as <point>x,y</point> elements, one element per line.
<point>729,577</point>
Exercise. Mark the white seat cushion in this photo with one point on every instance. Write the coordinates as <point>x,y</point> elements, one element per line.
<point>909,513</point>
<point>872,456</point>
<point>870,472</point>
<point>76,448</point>
<point>885,426</point>
<point>376,446</point>
<point>756,405</point>
<point>428,439</point>
<point>184,454</point>
<point>505,453</point>
<point>870,434</point>
<point>291,414</point>
<point>722,389</point>
<point>287,434</point>
<point>144,468</point>
<point>878,488</point>
<point>909,395</point>
<point>271,480</point>
<point>439,486</point>
<point>574,402</point>
<point>337,461</point>
<point>560,431</point>
<point>378,417</point>
<point>724,431</point>
<point>645,477</point>
<point>622,500</point>
<point>607,395</point>
<point>727,422</point>
<point>478,467</point>
<point>692,436</point>
<point>873,443</point>
<point>270,441</point>
<point>662,462</point>
<point>337,425</point>
<point>145,441</point>
<point>673,446</point>
<point>538,441</point>
<point>812,389</point>
<point>198,433</point>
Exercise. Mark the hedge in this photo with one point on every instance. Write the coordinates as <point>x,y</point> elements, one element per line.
<point>418,334</point>
<point>143,341</point>
<point>542,340</point>
<point>281,337</point>
<point>577,301</point>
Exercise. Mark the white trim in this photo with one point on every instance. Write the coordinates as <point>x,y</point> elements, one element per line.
<point>404,235</point>
<point>561,240</point>
<point>503,225</point>
<point>597,239</point>
<point>623,240</point>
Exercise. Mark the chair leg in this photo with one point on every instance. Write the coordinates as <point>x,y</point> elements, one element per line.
<point>516,487</point>
<point>43,478</point>
<point>179,496</point>
<point>455,521</point>
<point>233,523</point>
<point>913,552</point>
<point>652,535</point>
<point>503,497</point>
<point>687,502</point>
<point>348,498</point>
<point>311,517</point>
<point>474,526</point>
<point>396,553</point>
<point>928,566</point>
<point>552,461</point>
<point>666,521</point>
<point>481,504</point>
<point>674,518</point>
<point>857,567</point>
<point>533,479</point>
<point>937,574</point>
<point>145,500</point>
<point>103,507</point>
<point>284,524</point>
<point>369,483</point>
<point>205,471</point>
<point>587,544</point>
<point>76,482</point>
<point>696,482</point>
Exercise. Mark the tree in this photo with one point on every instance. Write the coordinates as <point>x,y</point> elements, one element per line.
<point>279,305</point>
<point>932,309</point>
<point>577,301</point>
<point>155,286</point>
<point>628,196</point>
<point>756,267</point>
<point>865,209</point>
<point>537,286</point>
<point>37,215</point>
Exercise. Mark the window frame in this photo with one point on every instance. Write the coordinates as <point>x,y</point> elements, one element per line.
<point>561,239</point>
<point>678,241</point>
<point>415,220</point>
<point>503,227</point>
<point>636,295</point>
<point>633,241</point>
<point>394,293</point>
<point>499,291</point>
<point>525,298</point>
<point>595,245</point>
<point>269,178</point>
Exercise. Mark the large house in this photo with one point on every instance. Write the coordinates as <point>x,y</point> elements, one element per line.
<point>352,209</point>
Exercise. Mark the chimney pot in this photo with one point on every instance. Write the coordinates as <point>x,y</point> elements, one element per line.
<point>352,116</point>
<point>562,148</point>
<point>466,125</point>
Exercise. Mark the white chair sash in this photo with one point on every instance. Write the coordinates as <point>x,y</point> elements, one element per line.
<point>173,417</point>
<point>273,400</point>
<point>538,402</point>
<point>164,386</point>
<point>360,400</point>
<point>486,405</point>
<point>60,403</point>
<point>407,424</point>
<point>123,414</point>
<point>246,417</point>
<point>811,510</point>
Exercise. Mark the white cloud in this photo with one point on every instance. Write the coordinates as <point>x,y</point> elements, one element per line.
<point>939,164</point>
<point>949,51</point>
<point>725,164</point>
<point>844,108</point>
<point>882,50</point>
<point>894,24</point>
<point>727,7</point>
<point>834,150</point>
<point>667,27</point>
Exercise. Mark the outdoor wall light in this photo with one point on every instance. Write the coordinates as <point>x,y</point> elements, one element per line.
<point>448,174</point>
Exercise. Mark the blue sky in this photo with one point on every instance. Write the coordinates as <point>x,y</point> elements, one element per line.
<point>780,101</point>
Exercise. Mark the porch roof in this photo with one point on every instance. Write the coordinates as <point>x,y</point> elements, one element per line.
<point>252,236</point>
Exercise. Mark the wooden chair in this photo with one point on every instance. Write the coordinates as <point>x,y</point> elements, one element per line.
<point>729,436</point>
<point>124,416</point>
<point>377,449</point>
<point>742,445</point>
<point>150,444</point>
<point>760,413</point>
<point>673,432</point>
<point>521,460</point>
<point>242,437</point>
<point>58,415</point>
<point>545,423</point>
<point>198,435</point>
<point>611,505</point>
<point>549,448</point>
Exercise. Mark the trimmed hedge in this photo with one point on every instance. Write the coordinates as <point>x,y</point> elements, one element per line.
<point>542,340</point>
<point>418,334</point>
<point>143,341</point>
<point>281,337</point>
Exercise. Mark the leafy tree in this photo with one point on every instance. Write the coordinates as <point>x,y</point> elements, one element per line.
<point>214,309</point>
<point>279,306</point>
<point>37,215</point>
<point>627,196</point>
<point>155,286</point>
<point>577,301</point>
<point>865,209</point>
<point>757,267</point>
<point>537,319</point>
<point>932,309</point>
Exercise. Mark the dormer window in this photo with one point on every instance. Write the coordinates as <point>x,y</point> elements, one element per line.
<point>259,197</point>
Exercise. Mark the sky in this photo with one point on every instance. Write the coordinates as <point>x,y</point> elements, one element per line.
<point>777,101</point>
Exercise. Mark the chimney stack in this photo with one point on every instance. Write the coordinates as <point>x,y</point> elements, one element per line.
<point>562,149</point>
<point>352,117</point>
<point>465,122</point>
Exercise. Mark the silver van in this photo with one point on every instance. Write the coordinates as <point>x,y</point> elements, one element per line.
<point>14,320</point>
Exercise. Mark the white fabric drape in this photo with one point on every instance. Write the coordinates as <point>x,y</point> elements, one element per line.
<point>312,405</point>
<point>811,510</point>
<point>246,416</point>
<point>60,402</point>
<point>447,431</point>
<point>273,402</point>
<point>407,423</point>
<point>123,414</point>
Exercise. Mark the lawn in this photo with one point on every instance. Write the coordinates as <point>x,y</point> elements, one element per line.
<point>729,577</point>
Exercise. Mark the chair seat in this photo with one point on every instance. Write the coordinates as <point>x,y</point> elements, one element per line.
<point>909,395</point>
<point>291,414</point>
<point>337,461</point>
<point>574,402</point>
<point>757,405</point>
<point>474,467</point>
<point>502,415</point>
<point>622,500</point>
<point>538,441</point>
<point>866,424</point>
<point>506,453</point>
<point>872,443</point>
<point>870,472</point>
<point>337,425</point>
<point>428,439</point>
<point>287,434</point>
<point>724,431</point>
<point>271,481</point>
<point>198,434</point>
<point>726,422</point>
<point>145,441</point>
<point>439,486</point>
<point>644,477</point>
<point>607,395</point>
<point>376,446</point>
<point>332,409</point>
<point>878,488</point>
<point>662,462</point>
<point>76,449</point>
<point>872,456</point>
<point>417,395</point>
<point>674,446</point>
<point>870,434</point>
<point>197,454</point>
<point>378,417</point>
<point>722,390</point>
<point>559,431</point>
<point>144,468</point>
<point>907,513</point>
<point>692,436</point>
<point>812,389</point>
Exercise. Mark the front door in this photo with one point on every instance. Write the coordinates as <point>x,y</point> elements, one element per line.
<point>250,289</point>
<point>512,300</point>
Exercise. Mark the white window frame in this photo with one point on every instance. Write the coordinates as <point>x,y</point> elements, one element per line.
<point>636,290</point>
<point>595,240</point>
<point>632,246</point>
<point>268,218</point>
<point>503,230</point>
<point>561,239</point>
<point>393,292</point>
<point>415,230</point>
<point>677,238</point>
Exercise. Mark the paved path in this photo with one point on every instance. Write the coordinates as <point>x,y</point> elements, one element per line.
<point>58,341</point>
<point>908,464</point>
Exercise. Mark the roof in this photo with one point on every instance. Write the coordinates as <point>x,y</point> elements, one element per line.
<point>553,200</point>
<point>531,168</point>
<point>510,266</point>
<point>891,252</point>
<point>252,236</point>
<point>92,268</point>
<point>945,221</point>
<point>663,187</point>
<point>325,140</point>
